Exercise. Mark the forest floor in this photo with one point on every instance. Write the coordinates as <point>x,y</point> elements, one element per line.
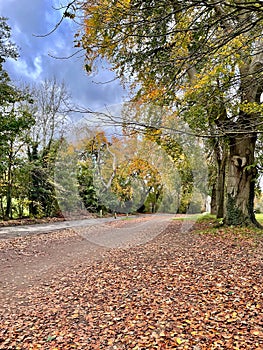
<point>143,283</point>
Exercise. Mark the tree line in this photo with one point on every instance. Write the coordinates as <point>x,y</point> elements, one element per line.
<point>108,173</point>
<point>130,173</point>
<point>32,122</point>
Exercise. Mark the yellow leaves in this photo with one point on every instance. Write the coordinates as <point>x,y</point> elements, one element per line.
<point>153,92</point>
<point>111,341</point>
<point>162,334</point>
<point>256,332</point>
<point>71,150</point>
<point>153,135</point>
<point>251,107</point>
<point>209,76</point>
<point>122,4</point>
<point>182,156</point>
<point>179,341</point>
<point>126,2</point>
<point>75,315</point>
<point>194,333</point>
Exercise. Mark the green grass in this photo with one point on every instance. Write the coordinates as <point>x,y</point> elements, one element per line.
<point>259,218</point>
<point>127,218</point>
<point>208,217</point>
<point>197,217</point>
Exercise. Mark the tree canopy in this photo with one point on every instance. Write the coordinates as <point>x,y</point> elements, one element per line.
<point>203,59</point>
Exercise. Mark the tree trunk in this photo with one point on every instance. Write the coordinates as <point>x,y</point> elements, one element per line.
<point>33,194</point>
<point>213,210</point>
<point>221,153</point>
<point>220,186</point>
<point>8,210</point>
<point>241,181</point>
<point>34,206</point>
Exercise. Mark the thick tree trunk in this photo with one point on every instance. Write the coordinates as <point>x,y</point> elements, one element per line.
<point>241,181</point>
<point>221,154</point>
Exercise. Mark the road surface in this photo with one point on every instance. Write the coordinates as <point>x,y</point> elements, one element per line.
<point>25,230</point>
<point>30,255</point>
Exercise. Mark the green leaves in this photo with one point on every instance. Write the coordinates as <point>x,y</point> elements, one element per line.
<point>7,48</point>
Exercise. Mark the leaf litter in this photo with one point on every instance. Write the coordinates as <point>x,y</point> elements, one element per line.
<point>196,290</point>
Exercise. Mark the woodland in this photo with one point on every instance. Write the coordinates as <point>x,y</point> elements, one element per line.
<point>192,130</point>
<point>195,74</point>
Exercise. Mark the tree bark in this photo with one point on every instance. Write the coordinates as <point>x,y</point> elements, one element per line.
<point>8,210</point>
<point>220,187</point>
<point>241,181</point>
<point>220,156</point>
<point>213,210</point>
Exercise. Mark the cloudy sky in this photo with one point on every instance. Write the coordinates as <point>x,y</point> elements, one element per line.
<point>30,18</point>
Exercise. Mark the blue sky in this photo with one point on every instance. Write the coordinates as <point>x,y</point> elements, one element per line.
<point>29,18</point>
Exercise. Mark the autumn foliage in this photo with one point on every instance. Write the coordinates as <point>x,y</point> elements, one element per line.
<point>194,290</point>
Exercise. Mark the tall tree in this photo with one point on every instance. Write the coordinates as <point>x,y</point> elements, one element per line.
<point>203,57</point>
<point>14,139</point>
<point>50,110</point>
<point>15,119</point>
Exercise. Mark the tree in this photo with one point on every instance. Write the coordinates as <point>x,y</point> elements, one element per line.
<point>86,188</point>
<point>144,173</point>
<point>50,110</point>
<point>204,59</point>
<point>15,120</point>
<point>7,48</point>
<point>14,139</point>
<point>68,179</point>
<point>185,151</point>
<point>98,167</point>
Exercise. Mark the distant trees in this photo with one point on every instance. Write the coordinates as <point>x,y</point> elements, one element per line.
<point>50,111</point>
<point>44,174</point>
<point>139,173</point>
<point>32,123</point>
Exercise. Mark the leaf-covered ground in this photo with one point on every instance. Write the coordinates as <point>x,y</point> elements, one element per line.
<point>193,290</point>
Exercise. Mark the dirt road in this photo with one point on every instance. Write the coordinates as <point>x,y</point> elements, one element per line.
<point>121,285</point>
<point>31,229</point>
<point>30,255</point>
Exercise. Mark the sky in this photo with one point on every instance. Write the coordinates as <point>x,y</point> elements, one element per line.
<point>29,19</point>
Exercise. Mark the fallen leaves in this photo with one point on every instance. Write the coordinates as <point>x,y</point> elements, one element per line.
<point>180,291</point>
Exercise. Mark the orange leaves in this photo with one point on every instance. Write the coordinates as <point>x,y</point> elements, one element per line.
<point>179,291</point>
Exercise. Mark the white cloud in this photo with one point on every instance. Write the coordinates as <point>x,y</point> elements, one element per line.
<point>37,17</point>
<point>22,69</point>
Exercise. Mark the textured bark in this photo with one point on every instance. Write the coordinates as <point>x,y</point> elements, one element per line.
<point>213,201</point>
<point>220,188</point>
<point>8,210</point>
<point>241,181</point>
<point>220,149</point>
